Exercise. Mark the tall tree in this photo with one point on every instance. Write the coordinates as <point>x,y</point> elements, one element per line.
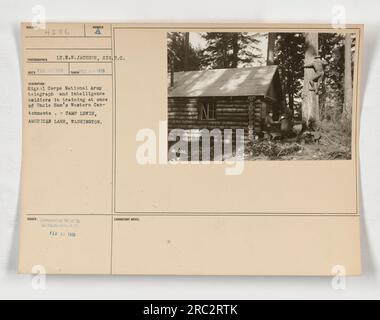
<point>229,50</point>
<point>187,51</point>
<point>310,105</point>
<point>181,55</point>
<point>331,101</point>
<point>289,56</point>
<point>235,50</point>
<point>271,46</point>
<point>347,111</point>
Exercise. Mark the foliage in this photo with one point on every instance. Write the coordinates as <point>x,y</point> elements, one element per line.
<point>182,56</point>
<point>289,54</point>
<point>272,150</point>
<point>229,50</point>
<point>332,97</point>
<point>222,50</point>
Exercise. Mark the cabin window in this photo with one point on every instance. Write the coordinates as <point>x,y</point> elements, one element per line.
<point>207,110</point>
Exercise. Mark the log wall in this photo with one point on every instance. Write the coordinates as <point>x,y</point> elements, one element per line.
<point>231,113</point>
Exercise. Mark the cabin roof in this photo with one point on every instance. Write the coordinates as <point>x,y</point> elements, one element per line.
<point>255,81</point>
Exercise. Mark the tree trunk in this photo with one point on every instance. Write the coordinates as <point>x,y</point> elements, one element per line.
<point>291,101</point>
<point>322,105</point>
<point>187,49</point>
<point>310,104</point>
<point>347,110</point>
<point>171,74</point>
<point>290,91</point>
<point>271,44</point>
<point>235,51</point>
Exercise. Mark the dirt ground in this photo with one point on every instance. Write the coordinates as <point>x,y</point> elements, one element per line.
<point>333,143</point>
<point>282,150</point>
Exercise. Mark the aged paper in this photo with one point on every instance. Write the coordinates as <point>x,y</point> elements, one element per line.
<point>190,149</point>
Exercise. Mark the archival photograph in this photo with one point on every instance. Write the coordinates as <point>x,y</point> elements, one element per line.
<point>264,96</point>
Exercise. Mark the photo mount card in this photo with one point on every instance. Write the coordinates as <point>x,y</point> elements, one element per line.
<point>190,149</point>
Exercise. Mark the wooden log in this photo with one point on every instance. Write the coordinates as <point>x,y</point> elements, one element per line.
<point>195,110</point>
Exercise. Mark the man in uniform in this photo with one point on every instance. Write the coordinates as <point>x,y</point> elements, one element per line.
<point>286,122</point>
<point>318,65</point>
<point>267,124</point>
<point>268,121</point>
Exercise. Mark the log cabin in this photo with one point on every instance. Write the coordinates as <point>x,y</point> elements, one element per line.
<point>222,99</point>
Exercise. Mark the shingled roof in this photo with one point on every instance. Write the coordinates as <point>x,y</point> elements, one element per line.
<point>256,81</point>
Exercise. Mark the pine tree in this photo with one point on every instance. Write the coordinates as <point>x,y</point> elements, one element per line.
<point>271,47</point>
<point>229,50</point>
<point>332,97</point>
<point>289,56</point>
<point>181,55</point>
